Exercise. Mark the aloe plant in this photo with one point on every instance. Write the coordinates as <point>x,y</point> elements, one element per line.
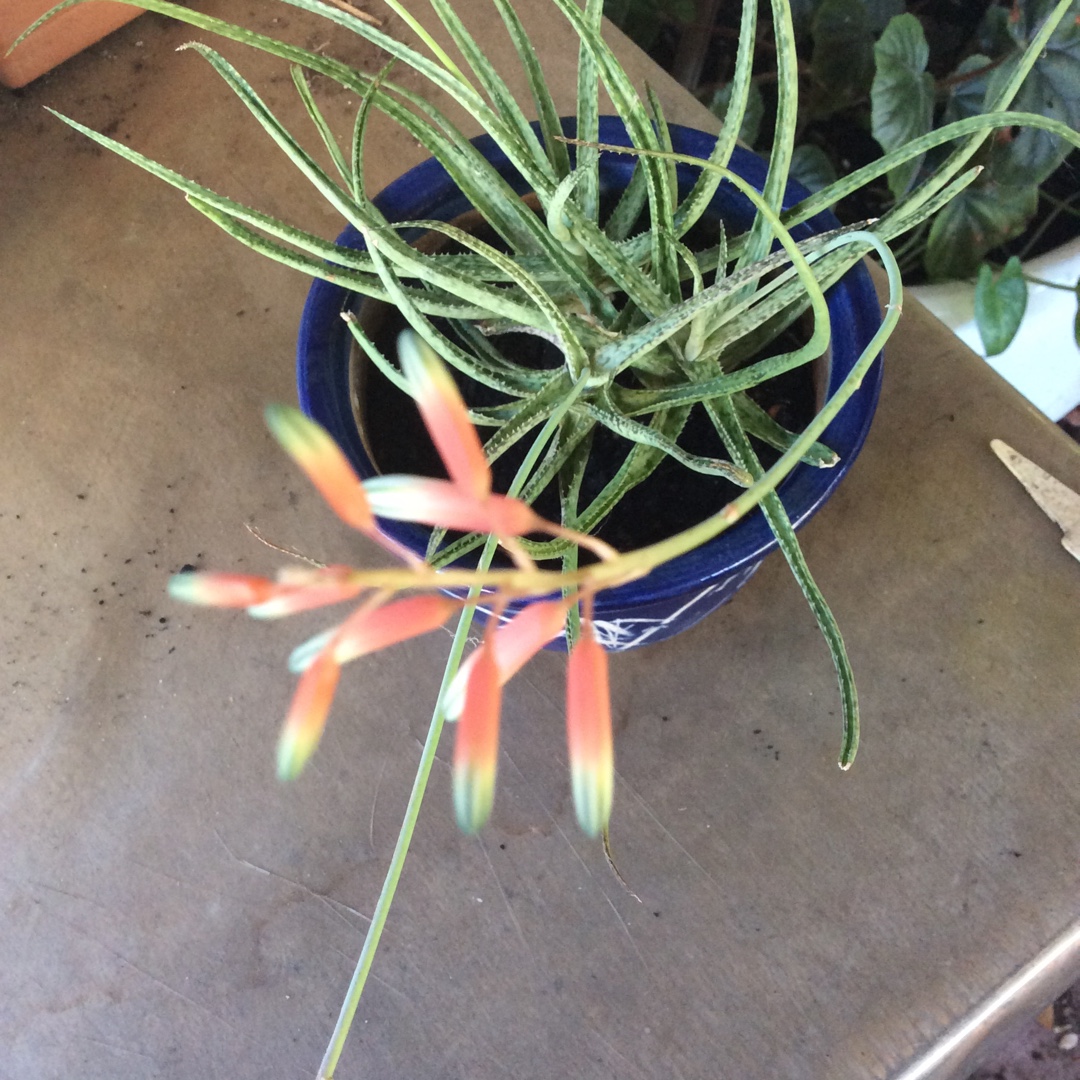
<point>645,327</point>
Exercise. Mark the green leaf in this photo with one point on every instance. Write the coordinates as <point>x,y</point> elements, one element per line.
<point>879,12</point>
<point>967,95</point>
<point>842,61</point>
<point>812,167</point>
<point>1053,90</point>
<point>752,117</point>
<point>902,94</point>
<point>978,220</point>
<point>999,305</point>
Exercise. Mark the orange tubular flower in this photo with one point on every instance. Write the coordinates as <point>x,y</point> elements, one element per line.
<point>445,416</point>
<point>312,448</point>
<point>513,645</point>
<point>588,730</point>
<point>210,589</point>
<point>442,502</point>
<point>366,631</point>
<point>307,716</point>
<point>476,745</point>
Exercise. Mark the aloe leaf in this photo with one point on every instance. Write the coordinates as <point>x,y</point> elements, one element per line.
<point>588,117</point>
<point>754,420</point>
<point>528,412</point>
<point>503,101</point>
<point>317,118</point>
<point>445,75</point>
<point>501,377</point>
<point>605,414</point>
<point>626,101</point>
<point>739,446</point>
<point>787,104</point>
<point>701,194</point>
<point>548,114</point>
<point>357,260</point>
<point>363,114</point>
<point>666,269</point>
<point>359,213</point>
<point>628,209</point>
<point>638,465</point>
<point>576,357</point>
<point>579,435</point>
<point>372,352</point>
<point>436,304</point>
<point>556,222</point>
<point>631,347</point>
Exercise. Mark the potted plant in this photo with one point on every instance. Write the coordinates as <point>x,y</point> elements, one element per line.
<point>655,313</point>
<point>876,76</point>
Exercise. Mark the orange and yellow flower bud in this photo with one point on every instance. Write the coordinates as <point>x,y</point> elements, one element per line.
<point>307,716</point>
<point>312,448</point>
<point>445,415</point>
<point>476,745</point>
<point>588,730</point>
<point>212,589</point>
<point>442,502</point>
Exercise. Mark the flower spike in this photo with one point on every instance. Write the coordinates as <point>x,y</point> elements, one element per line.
<point>476,746</point>
<point>445,415</point>
<point>307,716</point>
<point>588,729</point>
<point>312,448</point>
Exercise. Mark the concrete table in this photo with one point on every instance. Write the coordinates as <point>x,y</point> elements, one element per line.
<point>171,911</point>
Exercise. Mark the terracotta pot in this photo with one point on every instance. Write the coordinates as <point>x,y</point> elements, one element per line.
<point>62,37</point>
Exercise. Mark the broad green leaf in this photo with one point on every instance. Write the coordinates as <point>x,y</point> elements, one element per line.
<point>752,116</point>
<point>978,220</point>
<point>999,305</point>
<point>1053,90</point>
<point>879,12</point>
<point>902,94</point>
<point>842,61</point>
<point>967,96</point>
<point>812,167</point>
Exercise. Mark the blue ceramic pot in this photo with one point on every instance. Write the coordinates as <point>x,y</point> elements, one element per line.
<point>678,594</point>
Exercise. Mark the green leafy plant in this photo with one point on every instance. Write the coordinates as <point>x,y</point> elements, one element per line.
<point>646,329</point>
<point>644,20</point>
<point>870,66</point>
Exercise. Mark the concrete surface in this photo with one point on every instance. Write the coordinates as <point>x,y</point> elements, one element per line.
<point>170,911</point>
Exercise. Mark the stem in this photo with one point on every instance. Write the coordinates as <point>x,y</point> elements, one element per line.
<point>405,834</point>
<point>1049,284</point>
<point>427,759</point>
